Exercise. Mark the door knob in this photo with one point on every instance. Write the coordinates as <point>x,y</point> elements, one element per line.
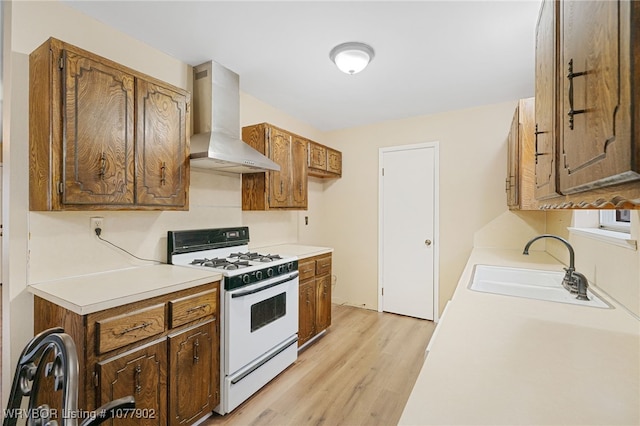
<point>427,242</point>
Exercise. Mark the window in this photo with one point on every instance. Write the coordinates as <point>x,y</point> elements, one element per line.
<point>616,220</point>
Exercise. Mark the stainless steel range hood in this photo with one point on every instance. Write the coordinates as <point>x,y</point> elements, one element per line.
<point>216,142</point>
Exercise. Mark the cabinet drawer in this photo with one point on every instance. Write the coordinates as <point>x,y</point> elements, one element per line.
<point>119,331</point>
<point>190,308</point>
<point>306,269</point>
<point>323,265</point>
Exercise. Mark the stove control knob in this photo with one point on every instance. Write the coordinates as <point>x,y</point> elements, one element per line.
<point>258,275</point>
<point>290,266</point>
<point>246,278</point>
<point>281,269</point>
<point>269,272</point>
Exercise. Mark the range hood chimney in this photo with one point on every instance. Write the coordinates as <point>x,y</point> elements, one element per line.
<point>216,143</point>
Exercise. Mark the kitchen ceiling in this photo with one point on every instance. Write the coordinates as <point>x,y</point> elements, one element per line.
<point>430,56</point>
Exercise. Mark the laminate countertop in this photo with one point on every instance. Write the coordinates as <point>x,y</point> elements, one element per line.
<point>86,294</point>
<point>298,250</point>
<point>504,360</point>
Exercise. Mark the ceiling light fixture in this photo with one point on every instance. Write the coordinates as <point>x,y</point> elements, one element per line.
<point>351,57</point>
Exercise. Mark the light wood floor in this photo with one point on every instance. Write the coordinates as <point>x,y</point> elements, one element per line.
<point>359,373</point>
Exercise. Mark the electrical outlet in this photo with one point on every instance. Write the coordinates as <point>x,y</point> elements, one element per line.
<point>97,222</point>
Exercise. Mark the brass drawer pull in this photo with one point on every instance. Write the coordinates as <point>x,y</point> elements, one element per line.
<point>196,345</point>
<point>138,327</point>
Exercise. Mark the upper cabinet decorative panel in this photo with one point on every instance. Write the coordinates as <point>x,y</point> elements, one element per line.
<point>323,161</point>
<point>103,136</point>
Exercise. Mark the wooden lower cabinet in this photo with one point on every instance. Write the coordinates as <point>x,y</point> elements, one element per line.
<point>306,311</point>
<point>163,351</point>
<point>323,302</point>
<point>141,374</point>
<point>314,306</point>
<point>193,381</point>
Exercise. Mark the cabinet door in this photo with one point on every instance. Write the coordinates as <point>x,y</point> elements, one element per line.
<point>513,160</point>
<point>141,374</point>
<point>162,154</point>
<point>596,144</point>
<point>193,374</point>
<point>280,182</point>
<point>306,311</point>
<point>323,304</point>
<point>545,121</point>
<point>317,156</point>
<point>299,172</point>
<point>334,161</point>
<point>98,121</point>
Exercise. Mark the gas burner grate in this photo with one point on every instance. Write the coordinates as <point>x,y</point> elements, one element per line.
<point>220,263</point>
<point>257,257</point>
<point>236,265</point>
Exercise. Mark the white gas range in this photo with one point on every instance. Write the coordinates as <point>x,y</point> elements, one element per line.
<point>259,307</point>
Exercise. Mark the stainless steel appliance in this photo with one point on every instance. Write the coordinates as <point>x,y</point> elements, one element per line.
<point>259,307</point>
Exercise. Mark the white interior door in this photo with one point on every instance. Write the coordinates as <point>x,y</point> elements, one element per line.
<point>408,232</point>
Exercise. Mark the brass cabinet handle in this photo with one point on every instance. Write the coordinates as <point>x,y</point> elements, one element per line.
<point>163,173</point>
<point>196,345</point>
<point>137,374</point>
<point>427,242</point>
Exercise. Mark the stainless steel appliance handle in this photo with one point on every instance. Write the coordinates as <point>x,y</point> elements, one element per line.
<point>293,276</point>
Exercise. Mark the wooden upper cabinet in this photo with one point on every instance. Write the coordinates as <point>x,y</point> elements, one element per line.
<point>598,146</point>
<point>284,189</point>
<point>299,172</point>
<point>323,161</point>
<point>520,181</point>
<point>98,127</point>
<point>162,148</point>
<point>317,156</point>
<point>103,136</point>
<point>280,182</point>
<point>513,160</point>
<point>334,162</point>
<point>545,101</point>
<point>587,63</point>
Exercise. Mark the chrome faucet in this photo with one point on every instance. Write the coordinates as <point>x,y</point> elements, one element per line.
<point>573,281</point>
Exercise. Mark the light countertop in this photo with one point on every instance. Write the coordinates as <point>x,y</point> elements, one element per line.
<point>95,292</point>
<point>506,360</point>
<point>301,251</point>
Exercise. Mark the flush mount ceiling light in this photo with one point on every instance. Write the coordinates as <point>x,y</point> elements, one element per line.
<point>351,57</point>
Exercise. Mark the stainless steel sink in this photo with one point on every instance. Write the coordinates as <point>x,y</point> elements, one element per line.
<point>528,283</point>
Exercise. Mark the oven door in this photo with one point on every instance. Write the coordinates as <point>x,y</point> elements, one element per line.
<point>258,318</point>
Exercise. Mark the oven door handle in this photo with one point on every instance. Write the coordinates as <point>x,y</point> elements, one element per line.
<point>293,276</point>
<point>278,351</point>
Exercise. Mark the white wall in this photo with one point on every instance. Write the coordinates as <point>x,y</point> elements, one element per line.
<point>614,269</point>
<point>472,172</point>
